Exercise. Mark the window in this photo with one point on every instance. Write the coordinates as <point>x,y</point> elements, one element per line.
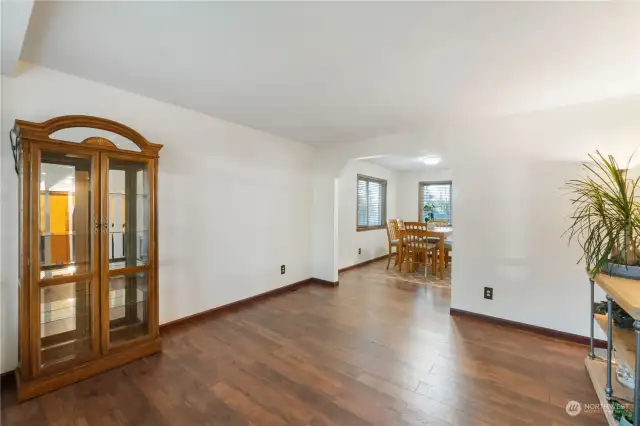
<point>437,197</point>
<point>372,203</point>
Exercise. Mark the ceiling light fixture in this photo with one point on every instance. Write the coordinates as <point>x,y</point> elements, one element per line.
<point>431,161</point>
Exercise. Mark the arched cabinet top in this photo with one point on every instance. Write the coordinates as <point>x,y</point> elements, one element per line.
<point>44,131</point>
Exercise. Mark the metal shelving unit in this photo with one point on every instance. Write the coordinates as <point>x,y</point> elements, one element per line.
<point>626,293</point>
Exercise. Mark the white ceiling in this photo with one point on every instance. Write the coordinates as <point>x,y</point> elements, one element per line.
<point>339,72</point>
<point>403,163</point>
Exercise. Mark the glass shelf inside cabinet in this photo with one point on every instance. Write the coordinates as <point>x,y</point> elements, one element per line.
<point>128,307</point>
<point>128,214</point>
<point>65,218</point>
<point>65,322</point>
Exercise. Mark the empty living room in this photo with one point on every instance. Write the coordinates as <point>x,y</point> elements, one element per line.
<point>319,213</point>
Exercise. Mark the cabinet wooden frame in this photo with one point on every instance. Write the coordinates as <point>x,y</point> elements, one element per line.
<point>34,377</point>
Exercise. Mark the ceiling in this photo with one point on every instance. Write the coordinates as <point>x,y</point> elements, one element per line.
<point>403,163</point>
<point>339,72</point>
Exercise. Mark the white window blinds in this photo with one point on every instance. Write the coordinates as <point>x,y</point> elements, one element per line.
<point>372,202</point>
<point>437,197</point>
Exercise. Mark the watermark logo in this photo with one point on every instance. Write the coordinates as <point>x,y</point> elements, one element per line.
<point>573,408</point>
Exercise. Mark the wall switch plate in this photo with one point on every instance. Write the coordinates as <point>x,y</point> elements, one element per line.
<point>359,251</point>
<point>488,293</point>
<point>282,269</point>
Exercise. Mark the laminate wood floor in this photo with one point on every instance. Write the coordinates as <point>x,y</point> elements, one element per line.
<point>374,351</point>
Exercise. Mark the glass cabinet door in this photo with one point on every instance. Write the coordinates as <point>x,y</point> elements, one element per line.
<point>127,248</point>
<point>65,296</point>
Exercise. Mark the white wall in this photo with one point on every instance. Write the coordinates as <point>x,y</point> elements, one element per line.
<point>234,203</point>
<point>509,211</point>
<point>408,190</point>
<point>374,242</point>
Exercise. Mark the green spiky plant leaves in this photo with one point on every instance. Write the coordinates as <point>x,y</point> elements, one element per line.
<point>606,217</point>
<point>433,207</point>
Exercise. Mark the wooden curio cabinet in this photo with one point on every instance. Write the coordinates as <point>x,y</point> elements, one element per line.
<point>88,296</point>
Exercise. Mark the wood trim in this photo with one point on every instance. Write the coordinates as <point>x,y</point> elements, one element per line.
<point>366,262</point>
<point>98,141</point>
<point>65,279</point>
<point>42,131</point>
<point>152,278</point>
<point>370,228</point>
<point>8,379</point>
<point>569,337</point>
<point>25,277</point>
<point>129,270</point>
<point>102,242</point>
<point>33,317</point>
<point>324,282</point>
<point>154,247</point>
<point>32,388</point>
<point>233,305</point>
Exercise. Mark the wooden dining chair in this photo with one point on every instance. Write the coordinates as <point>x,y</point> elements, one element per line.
<point>448,250</point>
<point>415,225</point>
<point>431,238</point>
<point>402,225</point>
<point>416,243</point>
<point>393,237</point>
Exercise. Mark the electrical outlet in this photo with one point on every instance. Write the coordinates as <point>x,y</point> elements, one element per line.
<point>282,270</point>
<point>488,293</point>
<point>359,251</point>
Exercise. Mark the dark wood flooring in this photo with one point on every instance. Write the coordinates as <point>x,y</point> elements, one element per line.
<point>374,351</point>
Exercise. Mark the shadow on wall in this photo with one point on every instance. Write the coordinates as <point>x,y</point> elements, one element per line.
<point>509,223</point>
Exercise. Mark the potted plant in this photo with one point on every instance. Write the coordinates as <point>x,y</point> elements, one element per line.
<point>606,218</point>
<point>429,211</point>
<point>433,207</point>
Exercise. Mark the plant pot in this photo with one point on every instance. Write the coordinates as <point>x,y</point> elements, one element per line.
<point>622,319</point>
<point>622,271</point>
<point>625,422</point>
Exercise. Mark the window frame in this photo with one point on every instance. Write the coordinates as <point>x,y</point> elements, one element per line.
<point>421,200</point>
<point>383,207</point>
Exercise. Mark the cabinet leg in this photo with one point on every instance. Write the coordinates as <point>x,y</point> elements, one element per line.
<point>592,354</point>
<point>608,389</point>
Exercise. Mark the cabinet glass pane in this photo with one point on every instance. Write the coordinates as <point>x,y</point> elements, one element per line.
<point>65,216</point>
<point>65,322</point>
<point>128,307</point>
<point>128,214</point>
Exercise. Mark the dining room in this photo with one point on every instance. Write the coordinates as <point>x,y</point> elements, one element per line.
<point>401,206</point>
